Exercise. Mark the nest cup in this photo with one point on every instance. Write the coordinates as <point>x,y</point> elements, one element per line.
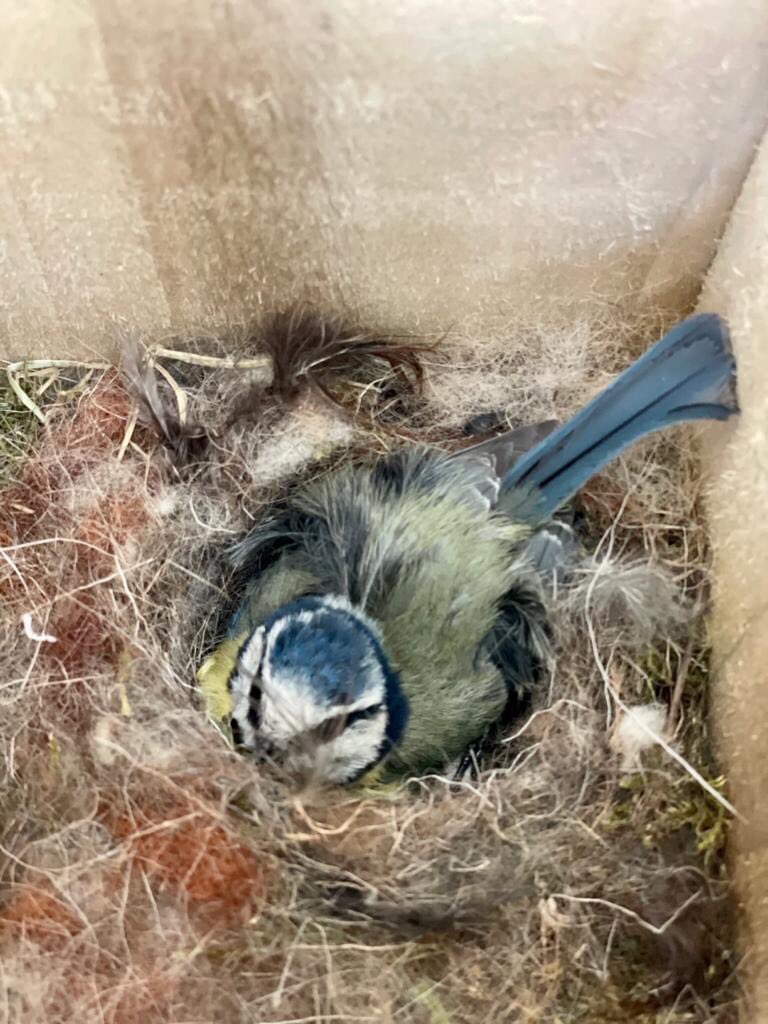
<point>151,873</point>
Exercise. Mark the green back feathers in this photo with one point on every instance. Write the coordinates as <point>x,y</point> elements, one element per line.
<point>414,547</point>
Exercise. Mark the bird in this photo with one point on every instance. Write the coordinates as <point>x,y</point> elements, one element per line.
<point>392,614</point>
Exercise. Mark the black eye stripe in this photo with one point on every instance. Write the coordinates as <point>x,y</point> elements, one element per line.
<point>254,713</point>
<point>361,715</point>
<point>333,727</point>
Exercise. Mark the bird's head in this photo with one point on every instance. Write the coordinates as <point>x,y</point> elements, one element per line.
<point>312,687</point>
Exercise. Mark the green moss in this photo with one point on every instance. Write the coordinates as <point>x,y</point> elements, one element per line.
<point>18,432</point>
<point>662,803</point>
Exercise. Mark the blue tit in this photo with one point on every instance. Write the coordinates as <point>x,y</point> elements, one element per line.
<point>392,613</point>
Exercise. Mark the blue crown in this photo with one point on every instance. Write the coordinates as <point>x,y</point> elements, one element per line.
<point>331,650</point>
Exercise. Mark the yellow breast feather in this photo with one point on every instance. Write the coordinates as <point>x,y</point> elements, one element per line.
<point>212,678</point>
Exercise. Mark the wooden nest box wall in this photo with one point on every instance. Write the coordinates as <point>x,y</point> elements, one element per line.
<point>427,168</point>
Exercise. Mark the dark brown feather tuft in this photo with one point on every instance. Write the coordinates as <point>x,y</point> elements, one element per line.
<point>184,442</point>
<point>320,353</point>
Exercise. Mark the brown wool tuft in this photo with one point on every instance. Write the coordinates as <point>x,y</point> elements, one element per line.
<point>185,848</point>
<point>36,914</point>
<point>309,350</point>
<point>370,376</point>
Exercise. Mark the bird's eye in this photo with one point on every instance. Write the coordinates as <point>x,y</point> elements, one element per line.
<point>333,727</point>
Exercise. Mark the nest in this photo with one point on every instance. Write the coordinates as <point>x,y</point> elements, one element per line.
<point>151,874</point>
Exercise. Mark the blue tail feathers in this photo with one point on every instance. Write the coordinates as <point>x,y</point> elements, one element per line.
<point>688,375</point>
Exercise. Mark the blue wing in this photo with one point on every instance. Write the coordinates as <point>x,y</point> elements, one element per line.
<point>688,375</point>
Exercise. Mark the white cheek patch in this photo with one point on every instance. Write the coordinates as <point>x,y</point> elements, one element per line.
<point>289,706</point>
<point>348,755</point>
<point>250,656</point>
<point>240,686</point>
<point>293,709</point>
<point>356,749</point>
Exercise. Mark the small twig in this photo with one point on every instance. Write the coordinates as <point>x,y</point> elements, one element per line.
<point>129,429</point>
<point>79,387</point>
<point>208,526</point>
<point>682,674</point>
<point>195,576</point>
<point>215,362</point>
<point>550,710</point>
<point>182,403</point>
<point>24,398</point>
<point>323,830</point>
<point>677,694</point>
<point>14,569</point>
<point>653,928</point>
<point>24,365</point>
<point>326,1018</point>
<point>118,574</point>
<point>277,995</point>
<point>13,370</point>
<point>49,379</point>
<point>55,540</point>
